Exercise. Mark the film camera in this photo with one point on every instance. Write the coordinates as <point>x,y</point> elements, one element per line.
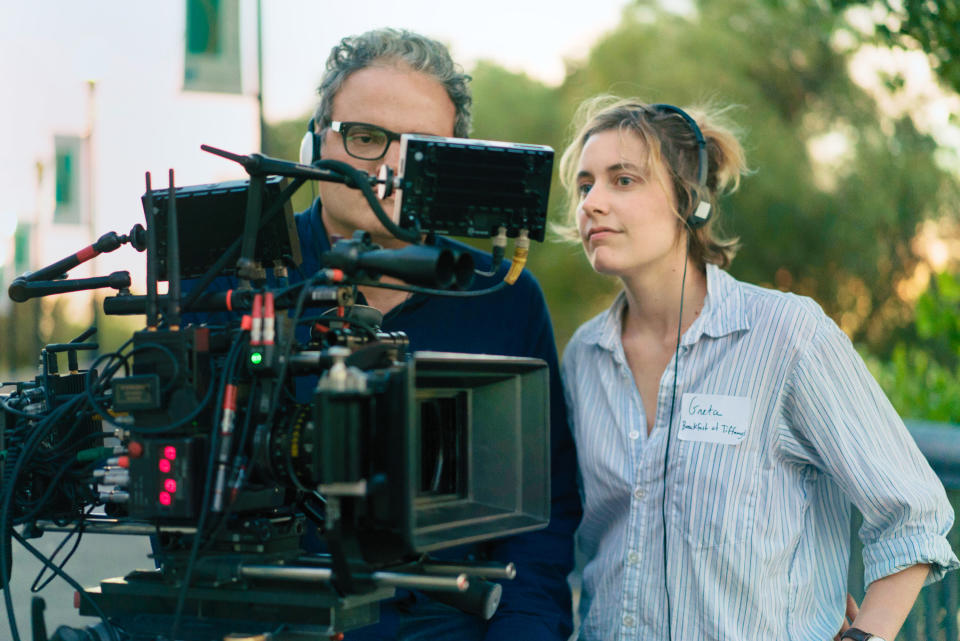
<point>292,416</point>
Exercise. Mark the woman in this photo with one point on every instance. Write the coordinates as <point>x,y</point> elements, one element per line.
<point>753,401</point>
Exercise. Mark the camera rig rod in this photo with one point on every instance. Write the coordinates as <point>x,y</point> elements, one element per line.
<point>493,571</point>
<point>458,583</point>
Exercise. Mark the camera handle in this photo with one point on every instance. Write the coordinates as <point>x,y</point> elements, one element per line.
<point>50,279</point>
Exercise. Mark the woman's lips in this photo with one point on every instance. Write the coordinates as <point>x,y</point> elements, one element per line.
<point>600,233</point>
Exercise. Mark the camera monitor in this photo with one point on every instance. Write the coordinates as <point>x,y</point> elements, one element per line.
<point>464,187</point>
<point>209,219</point>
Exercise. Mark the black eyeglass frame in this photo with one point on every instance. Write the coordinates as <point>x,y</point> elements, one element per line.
<point>343,128</point>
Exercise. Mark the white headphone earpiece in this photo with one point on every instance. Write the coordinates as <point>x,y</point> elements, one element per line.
<point>310,145</point>
<point>306,148</point>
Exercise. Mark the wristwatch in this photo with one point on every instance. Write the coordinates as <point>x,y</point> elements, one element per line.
<point>859,635</point>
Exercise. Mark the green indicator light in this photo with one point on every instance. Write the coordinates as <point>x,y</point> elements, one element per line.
<point>256,358</point>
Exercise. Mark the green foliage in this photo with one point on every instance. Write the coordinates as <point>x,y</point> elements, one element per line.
<point>937,317</point>
<point>922,377</point>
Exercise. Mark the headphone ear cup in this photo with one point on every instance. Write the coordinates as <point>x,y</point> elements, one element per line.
<point>307,146</point>
<point>310,145</point>
<point>700,215</point>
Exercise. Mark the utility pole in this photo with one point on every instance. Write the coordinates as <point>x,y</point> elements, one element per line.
<point>89,175</point>
<point>263,123</point>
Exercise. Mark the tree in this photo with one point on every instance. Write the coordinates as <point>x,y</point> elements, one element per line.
<point>933,27</point>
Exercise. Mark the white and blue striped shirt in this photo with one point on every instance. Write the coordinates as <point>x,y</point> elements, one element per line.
<point>757,531</point>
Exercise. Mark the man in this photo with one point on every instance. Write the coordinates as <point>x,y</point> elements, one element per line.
<point>377,85</point>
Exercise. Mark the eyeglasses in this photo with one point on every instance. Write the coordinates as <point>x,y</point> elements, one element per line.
<point>364,141</point>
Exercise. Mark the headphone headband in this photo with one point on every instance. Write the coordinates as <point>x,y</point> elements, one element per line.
<point>701,213</point>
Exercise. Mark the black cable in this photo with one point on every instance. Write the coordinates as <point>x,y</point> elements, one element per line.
<point>202,405</point>
<point>666,453</point>
<point>231,254</point>
<point>53,486</point>
<point>6,529</point>
<point>244,432</point>
<point>361,181</point>
<point>6,407</point>
<point>288,345</point>
<point>433,292</point>
<point>173,359</point>
<point>78,530</point>
<point>232,357</point>
<point>66,577</point>
<point>496,258</point>
<point>90,384</point>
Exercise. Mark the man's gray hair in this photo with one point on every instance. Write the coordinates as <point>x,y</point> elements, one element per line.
<point>423,54</point>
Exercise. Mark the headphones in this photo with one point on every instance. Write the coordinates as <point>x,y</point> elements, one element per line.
<point>701,213</point>
<point>310,145</point>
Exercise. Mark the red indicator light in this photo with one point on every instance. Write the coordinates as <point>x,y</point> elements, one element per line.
<point>165,498</point>
<point>164,466</point>
<point>170,452</point>
<point>170,485</point>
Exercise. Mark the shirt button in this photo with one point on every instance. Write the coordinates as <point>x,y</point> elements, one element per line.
<point>633,558</point>
<point>638,493</point>
<point>628,621</point>
<point>634,435</point>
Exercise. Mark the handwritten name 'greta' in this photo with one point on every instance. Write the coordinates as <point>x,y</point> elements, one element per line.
<point>699,410</point>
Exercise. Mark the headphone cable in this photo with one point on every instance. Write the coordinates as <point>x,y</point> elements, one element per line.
<point>666,453</point>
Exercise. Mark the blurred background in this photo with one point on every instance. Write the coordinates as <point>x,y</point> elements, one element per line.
<point>848,110</point>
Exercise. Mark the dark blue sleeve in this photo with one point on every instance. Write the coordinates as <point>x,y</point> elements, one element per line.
<point>537,603</point>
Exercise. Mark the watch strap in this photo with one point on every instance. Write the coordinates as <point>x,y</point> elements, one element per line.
<point>857,634</point>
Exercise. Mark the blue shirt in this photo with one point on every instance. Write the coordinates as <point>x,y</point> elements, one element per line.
<point>510,322</point>
<point>757,531</point>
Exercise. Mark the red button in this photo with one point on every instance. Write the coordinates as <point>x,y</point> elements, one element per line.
<point>165,466</point>
<point>170,485</point>
<point>165,498</point>
<point>170,452</point>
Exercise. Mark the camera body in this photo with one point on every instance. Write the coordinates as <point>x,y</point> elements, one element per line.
<point>268,504</point>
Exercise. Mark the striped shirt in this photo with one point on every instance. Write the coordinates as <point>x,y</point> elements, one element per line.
<point>758,530</point>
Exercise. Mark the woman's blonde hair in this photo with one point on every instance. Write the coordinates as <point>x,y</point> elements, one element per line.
<point>669,139</point>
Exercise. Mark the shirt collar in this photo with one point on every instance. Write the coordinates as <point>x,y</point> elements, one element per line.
<point>723,313</point>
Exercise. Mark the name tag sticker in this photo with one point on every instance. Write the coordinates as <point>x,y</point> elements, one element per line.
<point>713,418</point>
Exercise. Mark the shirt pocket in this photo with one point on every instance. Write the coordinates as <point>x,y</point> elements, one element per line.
<point>715,496</point>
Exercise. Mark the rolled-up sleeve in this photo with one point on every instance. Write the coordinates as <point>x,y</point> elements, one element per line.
<point>846,427</point>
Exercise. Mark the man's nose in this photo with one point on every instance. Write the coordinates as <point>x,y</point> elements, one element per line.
<point>392,157</point>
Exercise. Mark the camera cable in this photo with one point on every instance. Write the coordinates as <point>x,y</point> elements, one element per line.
<point>231,361</point>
